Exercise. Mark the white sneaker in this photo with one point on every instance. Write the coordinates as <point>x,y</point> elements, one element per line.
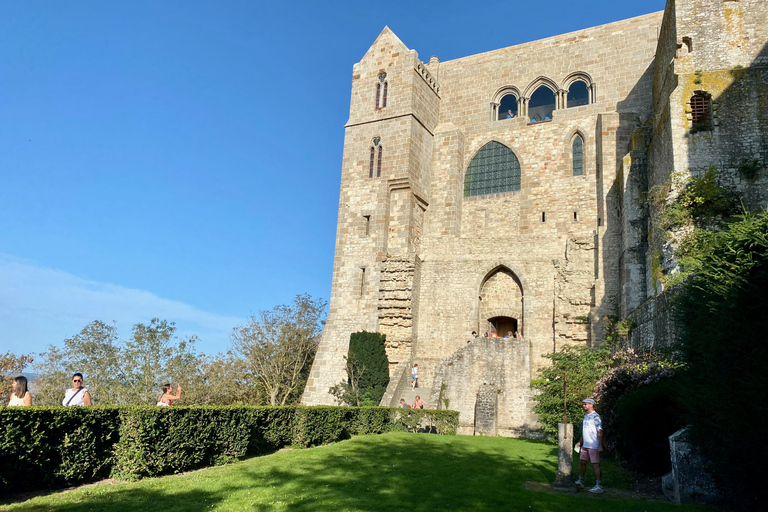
<point>597,489</point>
<point>579,483</point>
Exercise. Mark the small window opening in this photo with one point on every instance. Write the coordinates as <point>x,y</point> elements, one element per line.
<point>384,96</point>
<point>508,107</point>
<point>578,94</point>
<point>543,216</point>
<point>542,104</point>
<point>688,42</point>
<point>701,112</point>
<point>578,156</point>
<point>367,221</point>
<point>599,222</point>
<point>362,281</point>
<point>370,165</point>
<point>378,95</point>
<point>378,163</point>
<point>575,216</point>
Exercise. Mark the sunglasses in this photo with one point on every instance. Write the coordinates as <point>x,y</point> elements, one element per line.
<point>77,380</point>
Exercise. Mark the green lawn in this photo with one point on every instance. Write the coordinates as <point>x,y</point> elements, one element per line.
<point>390,472</point>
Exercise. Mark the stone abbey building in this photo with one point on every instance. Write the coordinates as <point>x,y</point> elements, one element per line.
<point>507,191</point>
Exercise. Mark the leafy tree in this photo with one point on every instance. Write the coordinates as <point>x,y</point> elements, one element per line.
<point>583,368</point>
<point>721,309</point>
<point>277,347</point>
<point>11,366</point>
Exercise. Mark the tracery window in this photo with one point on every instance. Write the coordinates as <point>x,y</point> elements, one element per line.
<point>542,104</point>
<point>578,94</point>
<point>381,91</point>
<point>494,169</point>
<point>578,155</point>
<point>375,160</point>
<point>508,107</point>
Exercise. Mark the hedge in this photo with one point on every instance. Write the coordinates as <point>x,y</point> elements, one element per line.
<point>43,447</point>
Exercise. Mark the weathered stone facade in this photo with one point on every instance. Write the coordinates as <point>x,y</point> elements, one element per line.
<point>425,262</point>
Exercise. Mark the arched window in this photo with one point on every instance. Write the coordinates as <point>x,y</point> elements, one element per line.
<point>542,104</point>
<point>578,156</point>
<point>578,94</point>
<point>494,169</point>
<point>376,149</point>
<point>701,112</point>
<point>508,107</point>
<point>381,91</point>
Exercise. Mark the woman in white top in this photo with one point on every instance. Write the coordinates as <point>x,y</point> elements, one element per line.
<point>77,395</point>
<point>167,397</point>
<point>20,395</point>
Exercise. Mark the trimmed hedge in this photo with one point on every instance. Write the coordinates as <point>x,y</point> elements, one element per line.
<point>42,447</point>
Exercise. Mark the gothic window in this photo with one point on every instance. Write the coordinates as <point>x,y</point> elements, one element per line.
<point>381,91</point>
<point>494,169</point>
<point>578,156</point>
<point>370,166</point>
<point>701,112</point>
<point>508,104</point>
<point>578,94</point>
<point>378,163</point>
<point>542,104</point>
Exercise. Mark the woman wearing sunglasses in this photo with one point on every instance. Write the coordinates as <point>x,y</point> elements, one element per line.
<point>77,394</point>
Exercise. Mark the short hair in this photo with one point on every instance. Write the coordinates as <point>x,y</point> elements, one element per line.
<point>78,374</point>
<point>21,386</point>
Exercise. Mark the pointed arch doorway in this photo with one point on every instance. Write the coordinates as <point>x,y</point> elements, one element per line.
<point>501,303</point>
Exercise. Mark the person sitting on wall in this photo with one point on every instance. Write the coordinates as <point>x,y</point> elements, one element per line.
<point>418,403</point>
<point>403,404</point>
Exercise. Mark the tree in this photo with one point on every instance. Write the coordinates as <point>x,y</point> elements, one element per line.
<point>277,347</point>
<point>11,366</point>
<point>367,370</point>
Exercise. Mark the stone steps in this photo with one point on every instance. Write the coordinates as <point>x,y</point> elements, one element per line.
<point>410,395</point>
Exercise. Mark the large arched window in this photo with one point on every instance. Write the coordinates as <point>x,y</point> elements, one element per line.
<point>578,94</point>
<point>508,107</point>
<point>578,156</point>
<point>374,164</point>
<point>494,169</point>
<point>542,104</point>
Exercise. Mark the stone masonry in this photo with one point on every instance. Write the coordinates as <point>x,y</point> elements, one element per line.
<point>421,260</point>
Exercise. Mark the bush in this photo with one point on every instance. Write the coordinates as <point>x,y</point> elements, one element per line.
<point>722,313</point>
<point>584,367</point>
<point>368,354</point>
<point>68,445</point>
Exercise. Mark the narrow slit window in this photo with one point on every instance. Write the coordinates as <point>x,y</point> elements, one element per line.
<point>362,281</point>
<point>384,96</point>
<point>378,163</point>
<point>367,221</point>
<point>575,216</point>
<point>378,95</point>
<point>578,156</point>
<point>370,165</point>
<point>543,216</point>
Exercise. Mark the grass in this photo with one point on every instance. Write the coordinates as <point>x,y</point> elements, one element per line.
<point>389,472</point>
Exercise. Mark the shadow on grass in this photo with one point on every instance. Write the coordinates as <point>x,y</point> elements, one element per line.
<point>376,473</point>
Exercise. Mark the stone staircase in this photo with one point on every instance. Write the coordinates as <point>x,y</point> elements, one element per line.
<point>410,395</point>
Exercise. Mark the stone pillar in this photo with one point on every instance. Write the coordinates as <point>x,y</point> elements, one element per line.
<point>564,481</point>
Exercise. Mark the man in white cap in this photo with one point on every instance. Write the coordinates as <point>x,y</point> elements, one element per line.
<point>591,444</point>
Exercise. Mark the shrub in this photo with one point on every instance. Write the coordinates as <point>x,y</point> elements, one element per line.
<point>68,445</point>
<point>584,367</point>
<point>722,313</point>
<point>367,351</point>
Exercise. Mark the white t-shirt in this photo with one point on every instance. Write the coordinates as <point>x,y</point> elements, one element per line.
<point>78,400</point>
<point>592,423</point>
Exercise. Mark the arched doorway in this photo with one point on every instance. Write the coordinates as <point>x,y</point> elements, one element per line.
<point>501,303</point>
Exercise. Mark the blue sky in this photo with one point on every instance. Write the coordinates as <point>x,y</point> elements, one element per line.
<point>182,159</point>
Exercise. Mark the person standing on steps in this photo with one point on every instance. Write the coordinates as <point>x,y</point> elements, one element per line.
<point>591,444</point>
<point>414,376</point>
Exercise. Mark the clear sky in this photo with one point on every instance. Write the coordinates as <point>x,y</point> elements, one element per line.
<point>182,159</point>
